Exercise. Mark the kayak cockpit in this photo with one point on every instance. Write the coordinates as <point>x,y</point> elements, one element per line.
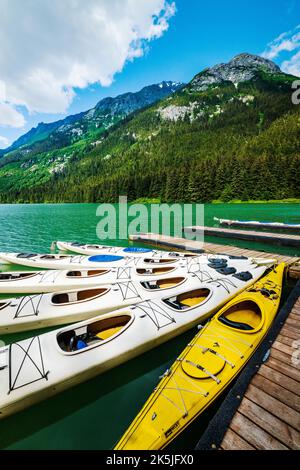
<point>163,283</point>
<point>63,298</point>
<point>159,260</point>
<point>15,276</point>
<point>245,316</point>
<point>183,255</point>
<point>187,300</point>
<point>92,334</point>
<point>90,273</point>
<point>94,247</point>
<point>54,257</point>
<point>154,271</point>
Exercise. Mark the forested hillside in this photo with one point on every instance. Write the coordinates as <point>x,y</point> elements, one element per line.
<point>231,133</point>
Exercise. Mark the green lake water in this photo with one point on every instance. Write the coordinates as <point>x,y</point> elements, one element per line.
<point>95,414</point>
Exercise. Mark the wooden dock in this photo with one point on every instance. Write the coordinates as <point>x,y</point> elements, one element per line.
<point>176,243</point>
<point>262,410</point>
<point>263,237</point>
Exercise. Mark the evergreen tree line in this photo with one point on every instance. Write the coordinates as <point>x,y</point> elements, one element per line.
<point>246,152</point>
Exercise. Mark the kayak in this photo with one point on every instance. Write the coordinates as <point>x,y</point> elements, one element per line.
<point>207,365</point>
<point>58,261</point>
<point>37,282</point>
<point>257,224</point>
<point>35,368</point>
<point>130,251</point>
<point>67,306</point>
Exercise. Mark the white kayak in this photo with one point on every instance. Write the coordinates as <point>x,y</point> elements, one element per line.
<point>129,251</point>
<point>38,367</point>
<point>60,261</point>
<point>37,282</point>
<point>67,306</point>
<point>67,262</point>
<point>257,224</point>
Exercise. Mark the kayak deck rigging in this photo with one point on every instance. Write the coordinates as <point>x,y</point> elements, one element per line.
<point>33,300</point>
<point>18,356</point>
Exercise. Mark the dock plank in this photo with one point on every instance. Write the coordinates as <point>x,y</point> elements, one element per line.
<point>283,348</point>
<point>277,377</point>
<point>296,311</point>
<point>233,441</point>
<point>274,406</point>
<point>276,391</point>
<point>253,434</point>
<point>276,354</point>
<point>270,423</point>
<point>284,368</point>
<point>285,340</point>
<point>294,323</point>
<point>291,332</point>
<point>294,316</point>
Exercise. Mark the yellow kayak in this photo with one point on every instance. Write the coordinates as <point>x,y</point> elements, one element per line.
<point>207,365</point>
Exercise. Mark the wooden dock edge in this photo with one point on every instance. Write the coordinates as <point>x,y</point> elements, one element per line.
<point>248,235</point>
<point>212,437</point>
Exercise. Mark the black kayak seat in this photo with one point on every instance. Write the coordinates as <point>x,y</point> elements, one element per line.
<point>243,276</point>
<point>226,271</point>
<point>148,285</point>
<point>174,304</point>
<point>26,255</point>
<point>217,260</point>
<point>217,265</point>
<point>235,324</point>
<point>237,257</point>
<point>77,244</point>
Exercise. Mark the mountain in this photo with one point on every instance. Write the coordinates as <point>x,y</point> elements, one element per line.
<point>242,68</point>
<point>231,133</point>
<point>106,113</point>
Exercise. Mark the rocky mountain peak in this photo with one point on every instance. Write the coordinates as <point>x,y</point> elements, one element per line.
<point>129,102</point>
<point>241,68</point>
<point>254,61</point>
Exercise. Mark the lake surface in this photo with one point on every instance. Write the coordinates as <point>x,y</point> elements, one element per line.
<point>94,415</point>
<point>33,227</point>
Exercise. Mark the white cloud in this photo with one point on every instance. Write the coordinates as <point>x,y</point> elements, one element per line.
<point>287,42</point>
<point>280,45</point>
<point>50,47</point>
<point>292,66</point>
<point>9,116</point>
<point>3,141</point>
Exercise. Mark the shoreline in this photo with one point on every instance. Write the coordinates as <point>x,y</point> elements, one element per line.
<point>271,201</point>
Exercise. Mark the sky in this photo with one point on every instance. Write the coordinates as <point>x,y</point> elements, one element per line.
<point>59,58</point>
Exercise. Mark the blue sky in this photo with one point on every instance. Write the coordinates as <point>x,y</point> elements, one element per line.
<point>200,34</point>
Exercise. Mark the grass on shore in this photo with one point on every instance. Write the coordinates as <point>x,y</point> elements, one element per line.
<point>271,201</point>
<point>145,200</point>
